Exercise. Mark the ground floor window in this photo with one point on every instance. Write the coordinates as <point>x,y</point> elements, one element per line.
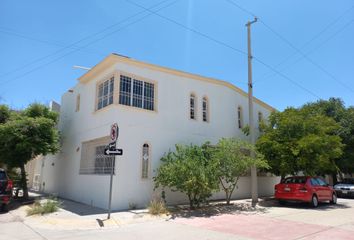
<point>93,160</point>
<point>145,161</point>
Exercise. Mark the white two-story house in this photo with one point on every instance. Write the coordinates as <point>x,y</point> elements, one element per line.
<point>155,108</point>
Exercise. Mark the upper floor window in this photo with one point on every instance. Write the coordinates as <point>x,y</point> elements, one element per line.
<point>105,93</point>
<point>205,107</point>
<point>145,161</point>
<point>125,90</point>
<point>192,106</point>
<point>136,93</point>
<point>260,117</point>
<point>77,103</point>
<point>239,117</point>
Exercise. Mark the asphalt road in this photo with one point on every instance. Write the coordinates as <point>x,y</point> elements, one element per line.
<point>271,221</point>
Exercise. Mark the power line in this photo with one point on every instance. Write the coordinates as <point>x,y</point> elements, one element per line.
<point>310,51</point>
<point>307,58</point>
<point>297,49</point>
<point>286,77</point>
<point>317,36</point>
<point>229,46</point>
<point>190,29</point>
<point>23,36</point>
<point>90,43</point>
<point>71,45</point>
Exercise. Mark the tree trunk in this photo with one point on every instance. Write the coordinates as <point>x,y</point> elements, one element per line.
<point>24,181</point>
<point>334,178</point>
<point>190,201</point>
<point>282,177</point>
<point>227,197</point>
<point>228,200</point>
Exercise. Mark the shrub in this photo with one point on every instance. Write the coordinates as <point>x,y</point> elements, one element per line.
<point>157,207</point>
<point>190,171</point>
<point>49,206</point>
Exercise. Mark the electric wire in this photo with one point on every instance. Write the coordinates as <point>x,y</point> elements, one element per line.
<point>230,47</point>
<point>90,43</point>
<point>321,68</point>
<point>71,45</point>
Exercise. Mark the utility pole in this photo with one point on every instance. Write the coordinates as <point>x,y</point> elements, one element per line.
<point>254,184</point>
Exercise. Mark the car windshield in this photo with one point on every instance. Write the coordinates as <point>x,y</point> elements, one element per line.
<point>300,180</point>
<point>348,181</point>
<point>3,175</point>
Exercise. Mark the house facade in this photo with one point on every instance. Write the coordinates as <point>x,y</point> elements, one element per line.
<point>155,108</point>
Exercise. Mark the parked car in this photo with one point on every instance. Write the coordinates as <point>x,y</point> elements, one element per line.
<point>345,188</point>
<point>305,189</point>
<point>5,189</point>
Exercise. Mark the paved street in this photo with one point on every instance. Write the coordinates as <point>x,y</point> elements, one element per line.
<point>269,221</point>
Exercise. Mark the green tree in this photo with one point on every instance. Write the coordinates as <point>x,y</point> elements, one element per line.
<point>335,109</point>
<point>190,171</point>
<point>297,140</point>
<point>234,160</point>
<point>4,113</point>
<point>27,134</point>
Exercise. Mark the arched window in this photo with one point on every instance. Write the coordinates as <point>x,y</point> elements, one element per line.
<point>192,107</point>
<point>145,161</point>
<point>239,117</point>
<point>205,109</point>
<point>260,117</point>
<point>77,103</point>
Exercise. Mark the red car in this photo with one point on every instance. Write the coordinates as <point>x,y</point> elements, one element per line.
<point>305,189</point>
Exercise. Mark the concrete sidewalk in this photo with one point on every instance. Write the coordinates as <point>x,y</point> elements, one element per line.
<point>240,221</point>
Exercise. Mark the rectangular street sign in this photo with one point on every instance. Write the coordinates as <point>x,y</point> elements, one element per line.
<point>109,151</point>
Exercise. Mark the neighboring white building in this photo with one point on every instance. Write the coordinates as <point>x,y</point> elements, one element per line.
<point>155,108</point>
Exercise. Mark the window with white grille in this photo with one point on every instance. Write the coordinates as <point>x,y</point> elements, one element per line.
<point>239,117</point>
<point>260,118</point>
<point>145,161</point>
<point>93,160</point>
<point>105,93</point>
<point>125,90</point>
<point>103,163</point>
<point>136,93</point>
<point>192,107</point>
<point>205,108</point>
<point>77,103</point>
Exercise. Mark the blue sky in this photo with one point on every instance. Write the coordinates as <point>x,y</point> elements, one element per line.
<point>309,44</point>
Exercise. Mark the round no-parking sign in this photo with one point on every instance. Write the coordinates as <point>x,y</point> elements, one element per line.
<point>114,132</point>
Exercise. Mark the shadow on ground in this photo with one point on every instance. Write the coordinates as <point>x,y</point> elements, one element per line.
<point>16,203</point>
<point>216,210</point>
<point>80,208</point>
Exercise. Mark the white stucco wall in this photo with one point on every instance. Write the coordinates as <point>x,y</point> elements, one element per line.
<point>161,129</point>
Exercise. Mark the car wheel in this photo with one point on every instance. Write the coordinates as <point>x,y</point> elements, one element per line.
<point>314,201</point>
<point>3,208</point>
<point>281,202</point>
<point>334,199</point>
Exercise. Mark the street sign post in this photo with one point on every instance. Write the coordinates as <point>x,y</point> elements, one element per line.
<point>111,150</point>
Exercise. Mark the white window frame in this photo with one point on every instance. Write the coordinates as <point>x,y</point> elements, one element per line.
<point>192,109</point>
<point>133,96</point>
<point>77,103</point>
<point>205,111</point>
<point>239,117</point>
<point>110,92</point>
<point>96,164</point>
<point>145,160</point>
